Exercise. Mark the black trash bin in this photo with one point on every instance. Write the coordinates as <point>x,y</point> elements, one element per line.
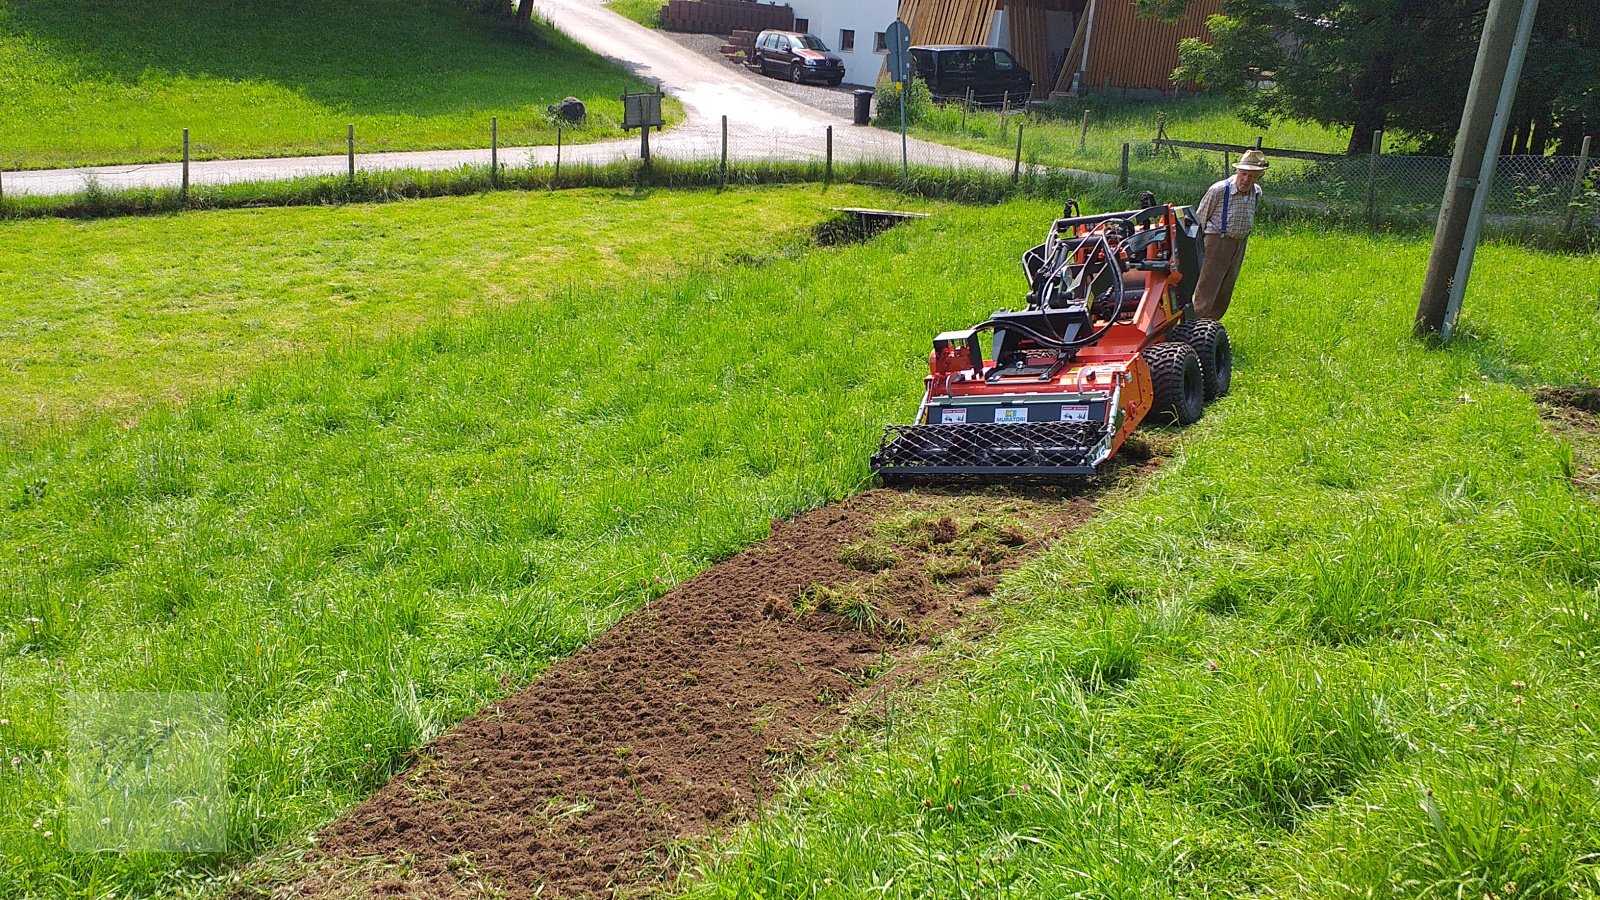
<point>863,107</point>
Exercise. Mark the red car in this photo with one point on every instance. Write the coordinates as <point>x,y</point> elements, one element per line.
<point>797,57</point>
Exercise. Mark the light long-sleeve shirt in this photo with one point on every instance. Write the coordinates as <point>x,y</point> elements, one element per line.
<point>1227,210</point>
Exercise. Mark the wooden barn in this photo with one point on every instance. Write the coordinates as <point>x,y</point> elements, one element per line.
<point>1091,44</point>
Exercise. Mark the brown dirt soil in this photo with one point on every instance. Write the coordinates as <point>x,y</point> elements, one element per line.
<point>680,718</point>
<point>1586,399</point>
<point>1573,413</point>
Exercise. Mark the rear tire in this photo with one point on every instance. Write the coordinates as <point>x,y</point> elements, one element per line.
<point>1178,381</point>
<point>1210,341</point>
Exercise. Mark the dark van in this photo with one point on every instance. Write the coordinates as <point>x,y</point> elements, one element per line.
<point>989,72</point>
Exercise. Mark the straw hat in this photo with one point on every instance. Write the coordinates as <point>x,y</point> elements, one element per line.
<point>1252,161</point>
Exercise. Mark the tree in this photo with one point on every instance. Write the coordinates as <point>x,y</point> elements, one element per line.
<point>1558,99</point>
<point>1395,65</point>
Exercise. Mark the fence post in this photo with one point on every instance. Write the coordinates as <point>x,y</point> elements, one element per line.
<point>1122,180</point>
<point>1372,171</point>
<point>827,174</point>
<point>722,168</point>
<point>1005,109</point>
<point>557,176</point>
<point>183,189</point>
<point>1226,159</point>
<point>494,151</point>
<point>1577,181</point>
<point>1016,166</point>
<point>1083,134</point>
<point>1258,142</point>
<point>350,148</point>
<point>966,107</point>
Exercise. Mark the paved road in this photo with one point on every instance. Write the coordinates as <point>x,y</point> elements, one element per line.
<point>763,124</point>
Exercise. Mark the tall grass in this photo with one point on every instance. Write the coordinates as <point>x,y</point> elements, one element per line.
<point>1400,193</point>
<point>1362,603</point>
<point>361,547</point>
<point>960,185</point>
<point>1055,136</point>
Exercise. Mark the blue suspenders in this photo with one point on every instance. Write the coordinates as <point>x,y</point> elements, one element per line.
<point>1227,192</point>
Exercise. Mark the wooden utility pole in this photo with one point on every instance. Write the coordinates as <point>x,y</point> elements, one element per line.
<point>1493,86</point>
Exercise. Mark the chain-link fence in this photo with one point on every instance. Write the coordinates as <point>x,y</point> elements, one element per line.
<point>1536,191</point>
<point>1533,188</point>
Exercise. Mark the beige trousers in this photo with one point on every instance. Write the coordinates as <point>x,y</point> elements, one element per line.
<point>1219,271</point>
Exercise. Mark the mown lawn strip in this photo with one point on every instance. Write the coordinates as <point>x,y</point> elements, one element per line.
<point>111,317</point>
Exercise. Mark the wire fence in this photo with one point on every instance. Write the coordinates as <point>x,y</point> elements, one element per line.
<point>1533,190</point>
<point>1563,191</point>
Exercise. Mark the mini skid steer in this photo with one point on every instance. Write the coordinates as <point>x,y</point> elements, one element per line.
<point>1108,341</point>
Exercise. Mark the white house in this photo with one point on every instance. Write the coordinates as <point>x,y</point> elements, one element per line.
<point>851,28</point>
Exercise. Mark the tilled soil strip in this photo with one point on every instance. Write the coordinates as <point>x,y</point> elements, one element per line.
<point>675,722</point>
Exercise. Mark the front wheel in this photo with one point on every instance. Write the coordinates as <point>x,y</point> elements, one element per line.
<point>797,74</point>
<point>1178,381</point>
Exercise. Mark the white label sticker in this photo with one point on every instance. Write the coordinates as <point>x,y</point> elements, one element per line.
<point>1011,414</point>
<point>1074,413</point>
<point>952,417</point>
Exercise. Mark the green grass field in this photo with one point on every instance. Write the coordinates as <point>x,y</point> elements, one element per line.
<point>136,319</point>
<point>1342,645</point>
<point>361,546</point>
<point>1364,576</point>
<point>117,83</point>
<point>1056,138</point>
<point>1113,120</point>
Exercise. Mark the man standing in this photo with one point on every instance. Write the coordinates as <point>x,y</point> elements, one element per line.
<point>1227,213</point>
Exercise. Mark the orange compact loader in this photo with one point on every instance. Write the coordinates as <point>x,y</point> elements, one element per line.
<point>1107,341</point>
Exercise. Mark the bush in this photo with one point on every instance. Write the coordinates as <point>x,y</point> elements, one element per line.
<point>918,100</point>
